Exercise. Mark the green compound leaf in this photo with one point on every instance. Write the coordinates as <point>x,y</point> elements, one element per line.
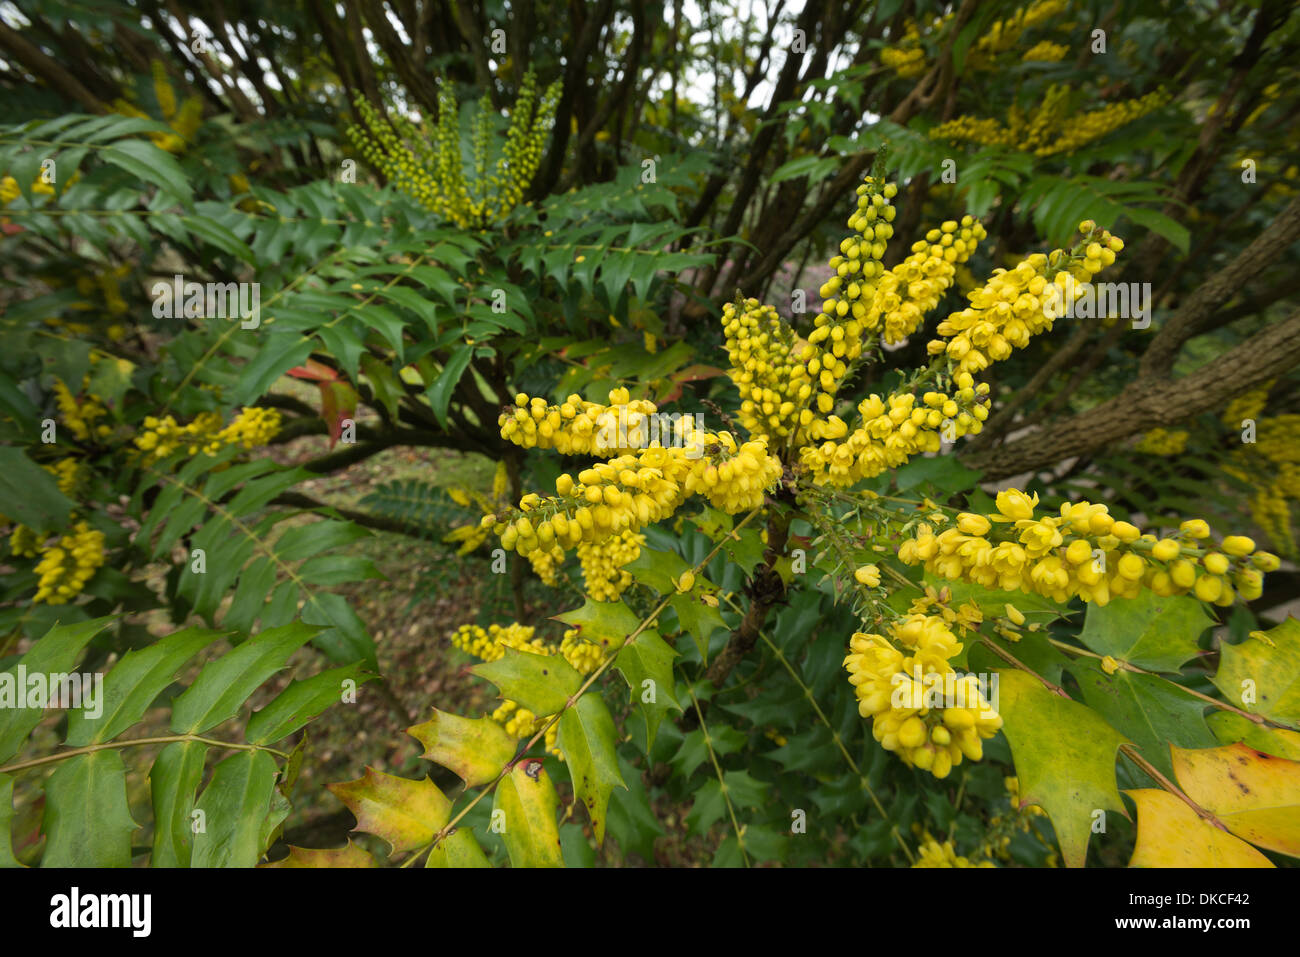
<point>7,858</point>
<point>647,665</point>
<point>1263,676</point>
<point>174,781</point>
<point>604,623</point>
<point>405,813</point>
<point>1155,633</point>
<point>234,807</point>
<point>541,683</point>
<point>589,743</point>
<point>523,809</point>
<point>88,821</point>
<point>1232,728</point>
<point>303,700</point>
<point>29,494</point>
<point>134,683</point>
<point>225,684</point>
<point>476,749</point>
<point>1064,754</point>
<point>1151,712</point>
<point>55,653</point>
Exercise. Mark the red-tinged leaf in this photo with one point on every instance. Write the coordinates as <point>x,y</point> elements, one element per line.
<point>405,813</point>
<point>314,371</point>
<point>349,855</point>
<point>338,402</point>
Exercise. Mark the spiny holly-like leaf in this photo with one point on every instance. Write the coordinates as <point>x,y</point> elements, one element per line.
<point>699,618</point>
<point>1150,631</point>
<point>661,570</point>
<point>476,749</point>
<point>1064,755</point>
<point>541,683</point>
<point>7,858</point>
<point>55,653</point>
<point>234,807</point>
<point>133,684</point>
<point>647,664</point>
<point>1263,677</point>
<point>589,744</point>
<point>88,822</point>
<point>1255,795</point>
<point>605,623</point>
<point>527,804</point>
<point>349,855</point>
<point>1231,728</point>
<point>1171,834</point>
<point>225,684</point>
<point>1152,712</point>
<point>174,781</point>
<point>457,849</point>
<point>405,813</point>
<point>301,701</point>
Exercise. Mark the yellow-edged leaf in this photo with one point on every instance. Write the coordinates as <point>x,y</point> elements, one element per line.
<point>349,855</point>
<point>1255,795</point>
<point>1171,834</point>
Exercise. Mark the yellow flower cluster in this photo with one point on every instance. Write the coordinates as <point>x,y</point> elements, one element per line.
<point>1248,405</point>
<point>431,169</point>
<point>1050,128</point>
<point>1016,304</point>
<point>24,542</point>
<point>251,428</point>
<point>602,564</point>
<point>920,708</point>
<point>848,296</point>
<point>81,415</point>
<point>65,567</point>
<point>912,288</point>
<point>1045,51</point>
<point>934,854</point>
<point>579,427</point>
<point>633,489</point>
<point>907,59</point>
<point>893,430</point>
<point>772,382</point>
<point>1085,552</point>
<point>1272,465</point>
<point>70,475</point>
<point>184,120</point>
<point>1163,442</point>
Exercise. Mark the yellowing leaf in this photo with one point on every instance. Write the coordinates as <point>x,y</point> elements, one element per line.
<point>1255,795</point>
<point>1231,728</point>
<point>523,810</point>
<point>350,855</point>
<point>457,849</point>
<point>476,749</point>
<point>405,813</point>
<point>1064,755</point>
<point>1171,834</point>
<point>1263,677</point>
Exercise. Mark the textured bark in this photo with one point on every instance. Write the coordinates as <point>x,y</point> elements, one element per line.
<point>1148,402</point>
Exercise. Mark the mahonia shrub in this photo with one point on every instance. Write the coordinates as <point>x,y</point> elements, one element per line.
<point>808,550</point>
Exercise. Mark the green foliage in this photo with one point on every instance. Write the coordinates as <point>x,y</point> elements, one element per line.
<point>229,822</point>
